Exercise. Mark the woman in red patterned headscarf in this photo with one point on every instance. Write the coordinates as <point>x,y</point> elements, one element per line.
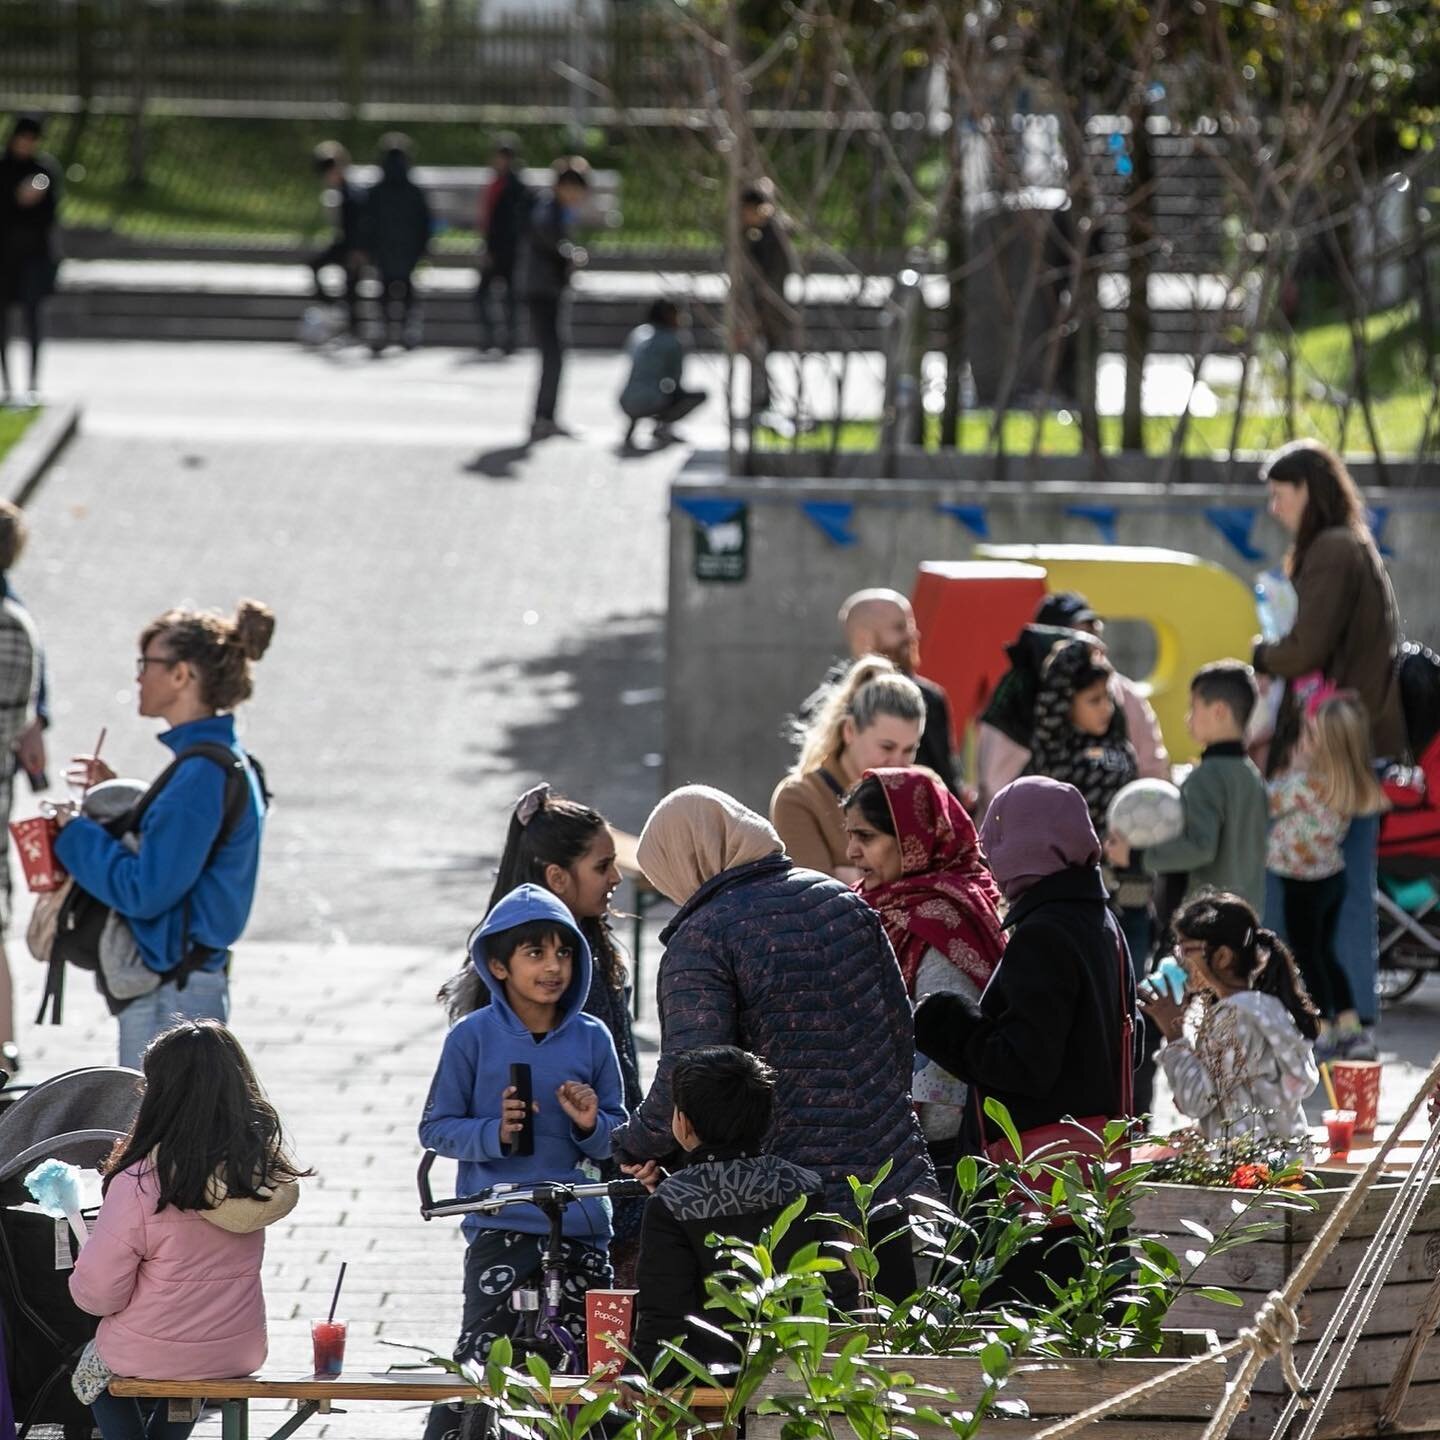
<point>920,866</point>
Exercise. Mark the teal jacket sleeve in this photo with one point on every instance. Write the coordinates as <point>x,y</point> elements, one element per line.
<point>1199,843</point>
<point>176,836</point>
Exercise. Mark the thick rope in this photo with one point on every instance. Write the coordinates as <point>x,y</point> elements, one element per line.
<point>1265,1339</point>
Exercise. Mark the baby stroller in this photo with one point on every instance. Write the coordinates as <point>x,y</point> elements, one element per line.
<point>1408,895</point>
<point>76,1117</point>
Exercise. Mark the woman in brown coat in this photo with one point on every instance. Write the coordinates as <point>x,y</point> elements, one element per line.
<point>1347,630</point>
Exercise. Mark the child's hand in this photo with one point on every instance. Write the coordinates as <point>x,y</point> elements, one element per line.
<point>580,1103</point>
<point>1117,850</point>
<point>512,1115</point>
<point>649,1174</point>
<point>1169,1017</point>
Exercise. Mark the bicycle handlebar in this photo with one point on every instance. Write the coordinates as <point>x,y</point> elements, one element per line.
<point>546,1195</point>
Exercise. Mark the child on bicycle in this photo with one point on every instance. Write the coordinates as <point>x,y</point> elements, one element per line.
<point>531,954</point>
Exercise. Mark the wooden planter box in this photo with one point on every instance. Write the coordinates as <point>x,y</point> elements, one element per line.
<point>1056,1388</point>
<point>1254,1269</point>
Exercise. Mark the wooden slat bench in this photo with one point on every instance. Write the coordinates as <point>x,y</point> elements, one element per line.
<point>314,1394</point>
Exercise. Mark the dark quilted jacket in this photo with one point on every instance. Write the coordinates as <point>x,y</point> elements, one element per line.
<point>795,967</point>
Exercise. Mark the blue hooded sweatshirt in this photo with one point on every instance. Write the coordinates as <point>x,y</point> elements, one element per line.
<point>462,1114</point>
<point>176,834</point>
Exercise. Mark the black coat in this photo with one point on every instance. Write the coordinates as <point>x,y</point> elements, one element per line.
<point>29,253</point>
<point>719,1192</point>
<point>547,254</point>
<point>396,222</point>
<point>1045,1038</point>
<point>794,967</point>
<point>507,224</point>
<point>935,742</point>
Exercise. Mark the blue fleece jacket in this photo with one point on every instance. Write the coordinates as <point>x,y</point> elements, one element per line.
<point>462,1114</point>
<point>176,833</point>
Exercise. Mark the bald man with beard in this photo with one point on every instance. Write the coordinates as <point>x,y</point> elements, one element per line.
<point>881,622</point>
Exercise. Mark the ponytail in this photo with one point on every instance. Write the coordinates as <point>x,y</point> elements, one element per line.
<point>1280,976</point>
<point>1219,918</point>
<point>871,687</point>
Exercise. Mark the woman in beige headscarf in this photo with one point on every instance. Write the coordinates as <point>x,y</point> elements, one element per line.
<point>795,967</point>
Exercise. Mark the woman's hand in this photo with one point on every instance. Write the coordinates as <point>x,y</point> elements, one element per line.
<point>580,1103</point>
<point>512,1115</point>
<point>649,1174</point>
<point>30,747</point>
<point>86,770</point>
<point>1169,1017</point>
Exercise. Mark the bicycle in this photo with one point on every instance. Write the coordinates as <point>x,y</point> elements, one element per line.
<point>540,1331</point>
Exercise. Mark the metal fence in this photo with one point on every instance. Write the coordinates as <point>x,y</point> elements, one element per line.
<point>344,61</point>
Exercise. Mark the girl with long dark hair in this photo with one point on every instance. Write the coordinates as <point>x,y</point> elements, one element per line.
<point>1249,1063</point>
<point>173,1265</point>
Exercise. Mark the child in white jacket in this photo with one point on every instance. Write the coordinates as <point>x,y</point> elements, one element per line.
<point>1250,1063</point>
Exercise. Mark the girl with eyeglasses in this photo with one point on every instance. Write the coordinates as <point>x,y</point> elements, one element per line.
<point>1249,1063</point>
<point>184,882</point>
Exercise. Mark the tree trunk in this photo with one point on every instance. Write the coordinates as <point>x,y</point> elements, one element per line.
<point>1139,242</point>
<point>139,91</point>
<point>957,261</point>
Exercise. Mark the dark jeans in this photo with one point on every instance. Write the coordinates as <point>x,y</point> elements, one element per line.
<point>1312,918</point>
<point>895,1278</point>
<point>33,321</point>
<point>545,332</point>
<point>1138,925</point>
<point>123,1418</point>
<point>680,404</point>
<point>484,302</point>
<point>342,255</point>
<point>498,1262</point>
<point>397,309</point>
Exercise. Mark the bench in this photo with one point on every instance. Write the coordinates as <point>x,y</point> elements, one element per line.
<point>454,191</point>
<point>314,1394</point>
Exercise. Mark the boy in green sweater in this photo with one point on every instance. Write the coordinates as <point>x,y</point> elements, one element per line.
<point>1226,815</point>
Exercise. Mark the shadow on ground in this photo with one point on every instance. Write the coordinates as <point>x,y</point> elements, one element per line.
<point>595,730</point>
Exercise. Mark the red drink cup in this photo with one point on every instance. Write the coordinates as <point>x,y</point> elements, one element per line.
<point>609,1316</point>
<point>35,840</point>
<point>1340,1126</point>
<point>1357,1088</point>
<point>328,1338</point>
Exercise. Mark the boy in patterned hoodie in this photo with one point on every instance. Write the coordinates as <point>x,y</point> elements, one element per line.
<point>727,1188</point>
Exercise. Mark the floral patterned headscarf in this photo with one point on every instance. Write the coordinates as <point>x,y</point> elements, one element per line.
<point>945,898</point>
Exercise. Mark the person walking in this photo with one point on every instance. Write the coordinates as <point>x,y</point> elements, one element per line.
<point>29,248</point>
<point>397,230</point>
<point>1047,1038</point>
<point>345,202</point>
<point>875,716</point>
<point>550,259</point>
<point>655,388</point>
<point>767,319</point>
<point>921,868</point>
<point>795,968</point>
<point>504,216</point>
<point>185,887</point>
<point>1346,631</point>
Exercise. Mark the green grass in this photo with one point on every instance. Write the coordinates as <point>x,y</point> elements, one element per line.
<point>1324,375</point>
<point>13,424</point>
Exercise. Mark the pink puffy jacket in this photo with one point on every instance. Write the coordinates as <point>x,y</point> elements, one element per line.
<point>180,1290</point>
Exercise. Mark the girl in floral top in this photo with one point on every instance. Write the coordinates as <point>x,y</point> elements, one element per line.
<point>1328,784</point>
<point>1248,1064</point>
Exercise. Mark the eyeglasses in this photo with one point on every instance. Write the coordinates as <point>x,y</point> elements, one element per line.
<point>141,661</point>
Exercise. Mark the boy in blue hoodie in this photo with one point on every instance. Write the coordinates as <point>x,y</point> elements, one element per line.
<point>536,963</point>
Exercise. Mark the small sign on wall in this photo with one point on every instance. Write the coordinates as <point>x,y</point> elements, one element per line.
<point>722,546</point>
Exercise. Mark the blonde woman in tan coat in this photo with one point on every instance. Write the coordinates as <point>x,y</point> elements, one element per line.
<point>873,718</point>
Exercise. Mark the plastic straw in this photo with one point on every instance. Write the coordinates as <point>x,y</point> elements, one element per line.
<point>95,755</point>
<point>335,1298</point>
<point>1329,1085</point>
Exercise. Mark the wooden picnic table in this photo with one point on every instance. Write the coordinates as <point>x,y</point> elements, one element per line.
<point>314,1394</point>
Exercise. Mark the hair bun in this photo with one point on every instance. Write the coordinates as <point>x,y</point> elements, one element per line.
<point>254,625</point>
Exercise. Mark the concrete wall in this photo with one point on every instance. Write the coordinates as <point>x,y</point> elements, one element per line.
<point>741,656</point>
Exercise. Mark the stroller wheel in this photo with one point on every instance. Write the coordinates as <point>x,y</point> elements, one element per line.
<point>1393,985</point>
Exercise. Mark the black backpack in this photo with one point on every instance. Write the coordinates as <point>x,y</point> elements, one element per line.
<point>82,917</point>
<point>1417,672</point>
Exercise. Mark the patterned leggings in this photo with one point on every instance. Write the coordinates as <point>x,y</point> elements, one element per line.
<point>496,1263</point>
